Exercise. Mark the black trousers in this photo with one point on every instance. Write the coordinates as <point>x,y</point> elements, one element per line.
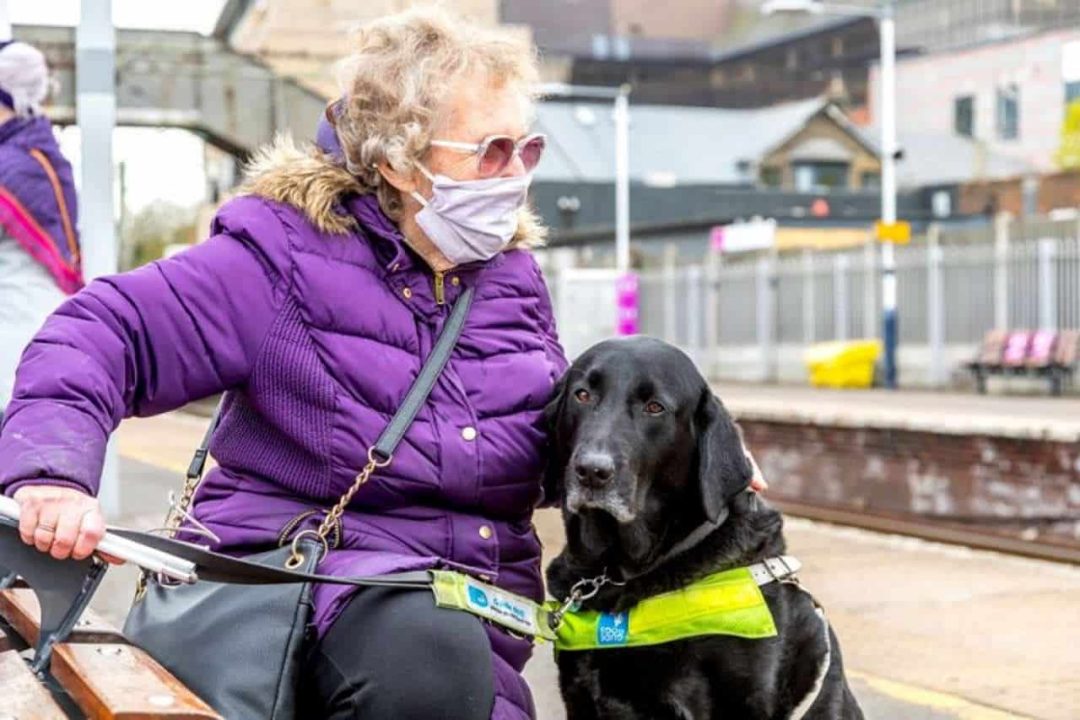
<point>392,654</point>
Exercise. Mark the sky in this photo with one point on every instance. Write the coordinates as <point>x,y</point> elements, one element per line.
<point>195,15</point>
<point>160,164</point>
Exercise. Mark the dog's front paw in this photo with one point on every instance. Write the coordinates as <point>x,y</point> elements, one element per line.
<point>560,577</point>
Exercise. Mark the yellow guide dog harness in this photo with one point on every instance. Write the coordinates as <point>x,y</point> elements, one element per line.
<point>724,603</point>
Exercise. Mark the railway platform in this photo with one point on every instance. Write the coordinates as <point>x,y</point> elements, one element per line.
<point>928,630</point>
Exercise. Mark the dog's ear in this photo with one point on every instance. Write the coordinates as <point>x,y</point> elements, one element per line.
<point>556,465</point>
<point>723,470</point>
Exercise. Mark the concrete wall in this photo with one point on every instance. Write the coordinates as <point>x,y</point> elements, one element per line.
<point>917,473</point>
<point>927,85</point>
<point>1059,190</point>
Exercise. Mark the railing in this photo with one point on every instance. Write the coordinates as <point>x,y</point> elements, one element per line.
<point>751,318</point>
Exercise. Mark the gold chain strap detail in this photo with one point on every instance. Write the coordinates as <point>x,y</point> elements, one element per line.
<point>335,513</point>
<point>177,513</point>
<point>172,523</point>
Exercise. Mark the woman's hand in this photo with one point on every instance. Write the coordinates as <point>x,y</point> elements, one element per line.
<point>61,521</point>
<point>757,483</point>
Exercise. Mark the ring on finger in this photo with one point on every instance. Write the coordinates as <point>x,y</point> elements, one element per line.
<point>51,529</point>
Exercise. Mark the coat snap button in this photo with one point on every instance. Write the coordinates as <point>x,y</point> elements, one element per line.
<point>455,281</point>
<point>407,292</point>
<point>469,433</point>
<point>486,532</point>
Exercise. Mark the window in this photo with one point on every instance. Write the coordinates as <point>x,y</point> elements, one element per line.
<point>1008,112</point>
<point>771,177</point>
<point>1072,93</point>
<point>870,179</point>
<point>814,176</point>
<point>791,62</point>
<point>964,116</point>
<point>837,46</point>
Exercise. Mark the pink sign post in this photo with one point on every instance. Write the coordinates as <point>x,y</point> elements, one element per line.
<point>627,299</point>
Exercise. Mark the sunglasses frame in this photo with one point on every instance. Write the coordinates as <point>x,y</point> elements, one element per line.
<point>480,149</point>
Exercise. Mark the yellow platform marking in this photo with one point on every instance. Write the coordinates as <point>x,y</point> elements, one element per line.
<point>962,708</point>
<point>148,457</point>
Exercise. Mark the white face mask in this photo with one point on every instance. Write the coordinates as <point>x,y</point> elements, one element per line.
<point>471,220</point>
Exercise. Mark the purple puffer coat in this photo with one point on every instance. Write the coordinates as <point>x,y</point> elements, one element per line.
<point>319,335</point>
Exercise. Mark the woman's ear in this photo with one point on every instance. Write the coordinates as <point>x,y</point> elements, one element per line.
<point>723,468</point>
<point>404,182</point>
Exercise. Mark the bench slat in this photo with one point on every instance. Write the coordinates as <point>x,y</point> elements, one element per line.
<point>114,682</point>
<point>24,697</point>
<point>20,608</point>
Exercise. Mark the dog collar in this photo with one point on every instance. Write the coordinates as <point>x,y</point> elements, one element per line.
<point>724,603</point>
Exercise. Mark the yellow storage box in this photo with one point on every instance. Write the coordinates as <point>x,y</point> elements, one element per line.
<point>843,364</point>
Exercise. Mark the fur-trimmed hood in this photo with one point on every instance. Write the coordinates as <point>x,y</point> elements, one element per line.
<point>313,182</point>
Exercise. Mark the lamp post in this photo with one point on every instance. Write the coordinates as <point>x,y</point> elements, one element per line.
<point>95,113</point>
<point>885,15</point>
<point>626,285</point>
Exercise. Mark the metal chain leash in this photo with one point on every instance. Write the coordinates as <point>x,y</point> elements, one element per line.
<point>582,590</point>
<point>334,515</point>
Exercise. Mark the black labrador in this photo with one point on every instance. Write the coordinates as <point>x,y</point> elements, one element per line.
<point>654,476</point>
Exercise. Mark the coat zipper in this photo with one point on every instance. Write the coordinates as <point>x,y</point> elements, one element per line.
<point>440,288</point>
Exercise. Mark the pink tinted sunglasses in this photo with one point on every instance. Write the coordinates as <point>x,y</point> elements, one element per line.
<point>496,152</point>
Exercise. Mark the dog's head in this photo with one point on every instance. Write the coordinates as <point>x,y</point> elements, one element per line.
<point>641,450</point>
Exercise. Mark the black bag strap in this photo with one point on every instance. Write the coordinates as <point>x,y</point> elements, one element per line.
<point>381,453</point>
<point>425,381</point>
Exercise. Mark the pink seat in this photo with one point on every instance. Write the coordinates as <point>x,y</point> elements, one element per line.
<point>1043,345</point>
<point>1016,348</point>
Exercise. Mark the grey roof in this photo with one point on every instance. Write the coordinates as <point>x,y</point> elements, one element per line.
<point>684,145</point>
<point>947,159</point>
<point>766,35</point>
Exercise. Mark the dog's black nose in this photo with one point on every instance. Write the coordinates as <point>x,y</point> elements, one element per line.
<point>595,469</point>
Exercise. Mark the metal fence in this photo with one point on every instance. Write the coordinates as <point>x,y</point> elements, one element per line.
<point>752,318</point>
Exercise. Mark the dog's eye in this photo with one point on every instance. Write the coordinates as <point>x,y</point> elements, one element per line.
<point>654,408</point>
<point>583,396</point>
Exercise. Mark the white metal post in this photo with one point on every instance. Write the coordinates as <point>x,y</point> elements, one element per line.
<point>1048,300</point>
<point>887,24</point>
<point>766,317</point>
<point>871,325</point>
<point>95,112</point>
<point>694,317</point>
<point>712,314</point>
<point>809,301</point>
<point>622,180</point>
<point>671,332</point>
<point>5,21</point>
<point>935,306</point>
<point>1001,271</point>
<point>841,301</point>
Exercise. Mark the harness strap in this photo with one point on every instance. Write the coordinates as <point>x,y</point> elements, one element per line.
<point>775,569</point>
<point>823,667</point>
<point>216,567</point>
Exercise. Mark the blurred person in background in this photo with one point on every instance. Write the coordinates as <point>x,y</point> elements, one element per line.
<point>39,244</point>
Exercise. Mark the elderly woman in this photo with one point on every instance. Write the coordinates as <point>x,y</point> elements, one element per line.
<point>39,245</point>
<point>314,303</point>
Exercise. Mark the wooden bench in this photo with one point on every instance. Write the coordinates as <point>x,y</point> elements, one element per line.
<point>1044,353</point>
<point>95,672</point>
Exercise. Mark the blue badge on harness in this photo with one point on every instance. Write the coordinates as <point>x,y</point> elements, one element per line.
<point>477,597</point>
<point>613,629</point>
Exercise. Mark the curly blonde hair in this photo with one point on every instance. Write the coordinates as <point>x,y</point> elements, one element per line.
<point>396,82</point>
